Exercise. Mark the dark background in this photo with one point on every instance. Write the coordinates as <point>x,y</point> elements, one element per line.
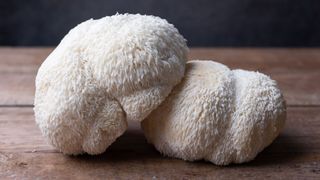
<point>286,23</point>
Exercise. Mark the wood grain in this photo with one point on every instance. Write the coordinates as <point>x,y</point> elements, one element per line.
<point>18,68</point>
<point>295,154</point>
<point>295,70</point>
<point>24,154</point>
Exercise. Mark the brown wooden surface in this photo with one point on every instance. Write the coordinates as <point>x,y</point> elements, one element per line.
<point>295,154</point>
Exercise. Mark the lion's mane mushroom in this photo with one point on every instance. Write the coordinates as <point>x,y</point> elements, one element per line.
<point>216,114</point>
<point>104,73</point>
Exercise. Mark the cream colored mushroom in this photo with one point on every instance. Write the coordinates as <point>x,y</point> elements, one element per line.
<point>217,114</point>
<point>104,73</point>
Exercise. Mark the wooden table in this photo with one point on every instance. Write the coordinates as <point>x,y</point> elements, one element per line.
<point>295,154</point>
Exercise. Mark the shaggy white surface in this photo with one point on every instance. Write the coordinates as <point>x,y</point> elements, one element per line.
<point>104,73</point>
<point>216,114</point>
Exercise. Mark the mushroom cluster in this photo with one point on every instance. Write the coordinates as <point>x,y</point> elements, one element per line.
<point>127,67</point>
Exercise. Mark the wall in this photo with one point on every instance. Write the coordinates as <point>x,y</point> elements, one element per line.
<point>203,22</point>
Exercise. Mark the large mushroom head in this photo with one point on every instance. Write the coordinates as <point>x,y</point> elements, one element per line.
<point>217,114</point>
<point>104,73</point>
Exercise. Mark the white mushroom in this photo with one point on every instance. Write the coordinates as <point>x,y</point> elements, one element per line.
<point>218,115</point>
<point>104,73</point>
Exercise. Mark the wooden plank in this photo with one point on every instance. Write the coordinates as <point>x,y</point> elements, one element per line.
<point>261,59</point>
<point>18,67</point>
<point>295,154</point>
<point>18,131</point>
<point>296,70</point>
<point>17,88</point>
<point>270,60</point>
